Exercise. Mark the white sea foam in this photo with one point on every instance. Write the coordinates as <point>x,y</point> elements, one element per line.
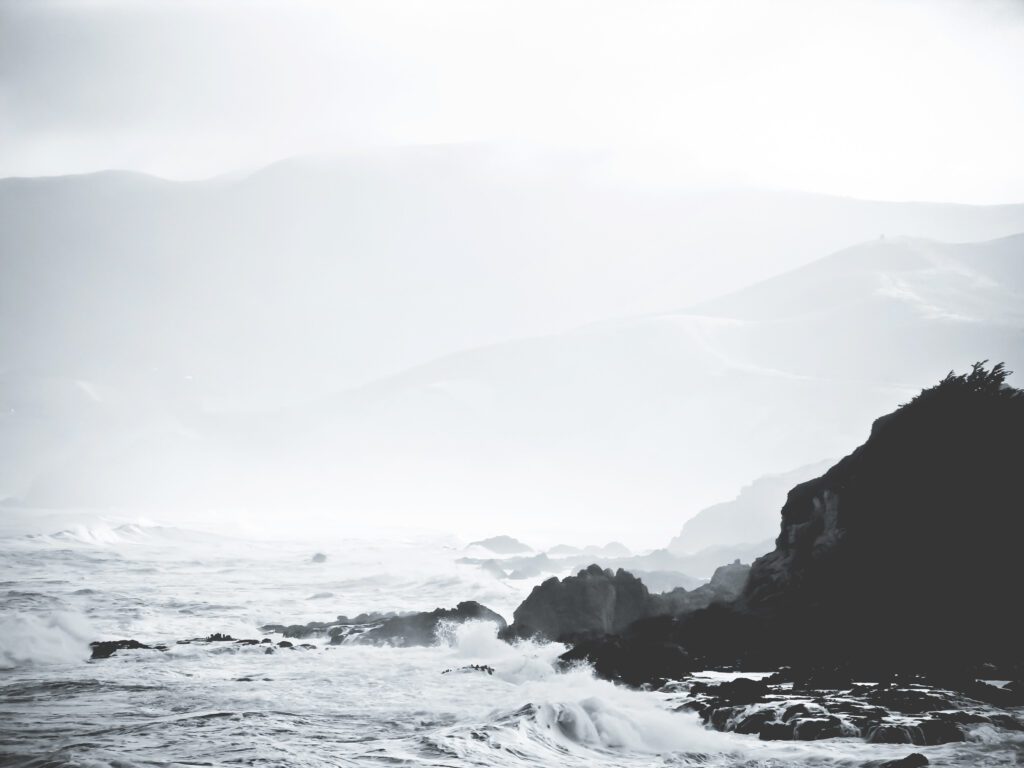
<point>345,705</point>
<point>56,637</point>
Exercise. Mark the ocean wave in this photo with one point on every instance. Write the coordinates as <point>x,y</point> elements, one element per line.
<point>51,638</point>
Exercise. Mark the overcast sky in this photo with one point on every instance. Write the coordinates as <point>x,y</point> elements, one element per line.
<point>901,99</point>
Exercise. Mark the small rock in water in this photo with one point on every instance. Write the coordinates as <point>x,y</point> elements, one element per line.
<point>319,557</point>
<point>472,668</point>
<point>219,637</point>
<point>104,649</point>
<point>913,760</point>
<point>284,644</point>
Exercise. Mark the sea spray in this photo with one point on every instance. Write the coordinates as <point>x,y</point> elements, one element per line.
<point>56,637</point>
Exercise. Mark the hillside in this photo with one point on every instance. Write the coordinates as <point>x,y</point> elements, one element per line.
<point>652,416</point>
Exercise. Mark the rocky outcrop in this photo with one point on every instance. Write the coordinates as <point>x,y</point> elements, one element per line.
<point>915,534</point>
<point>593,603</point>
<point>635,662</point>
<point>104,649</point>
<point>598,602</point>
<point>902,557</point>
<point>751,517</point>
<point>726,584</point>
<point>422,628</point>
<point>401,630</point>
<point>798,707</point>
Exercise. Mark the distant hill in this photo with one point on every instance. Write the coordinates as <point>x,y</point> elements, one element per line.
<point>751,518</point>
<point>502,545</point>
<point>247,342</point>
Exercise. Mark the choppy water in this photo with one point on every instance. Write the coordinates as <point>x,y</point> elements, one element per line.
<point>221,705</point>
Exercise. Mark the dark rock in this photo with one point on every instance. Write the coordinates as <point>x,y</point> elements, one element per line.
<point>991,694</point>
<point>726,585</point>
<point>890,734</point>
<point>247,642</point>
<point>635,662</point>
<point>908,701</point>
<point>720,718</point>
<point>812,729</point>
<point>421,628</point>
<point>218,637</point>
<point>742,690</point>
<point>471,668</point>
<point>300,631</point>
<point>776,732</point>
<point>284,644</point>
<point>319,557</point>
<point>911,526</point>
<point>1008,722</point>
<point>913,760</point>
<point>104,649</point>
<point>595,602</point>
<point>796,710</point>
<point>754,722</point>
<point>940,731</point>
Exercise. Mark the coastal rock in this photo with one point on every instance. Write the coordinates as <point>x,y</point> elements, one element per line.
<point>726,584</point>
<point>484,668</point>
<point>422,628</point>
<point>912,528</point>
<point>598,601</point>
<point>913,760</point>
<point>634,662</point>
<point>104,649</point>
<point>931,487</point>
<point>595,602</point>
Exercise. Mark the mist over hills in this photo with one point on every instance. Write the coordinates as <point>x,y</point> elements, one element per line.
<point>137,371</point>
<point>751,518</point>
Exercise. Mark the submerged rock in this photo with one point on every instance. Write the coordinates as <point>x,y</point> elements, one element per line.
<point>486,669</point>
<point>104,649</point>
<point>634,662</point>
<point>390,628</point>
<point>913,760</point>
<point>422,628</point>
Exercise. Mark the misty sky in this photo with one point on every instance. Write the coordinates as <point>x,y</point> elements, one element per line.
<point>899,99</point>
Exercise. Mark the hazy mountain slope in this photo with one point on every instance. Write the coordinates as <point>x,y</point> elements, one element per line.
<point>318,274</point>
<point>157,338</point>
<point>637,420</point>
<point>751,518</point>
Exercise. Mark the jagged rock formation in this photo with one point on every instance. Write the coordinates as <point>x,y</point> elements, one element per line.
<point>904,555</point>
<point>421,628</point>
<point>389,628</point>
<point>901,710</point>
<point>598,602</point>
<point>751,518</point>
<point>594,602</point>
